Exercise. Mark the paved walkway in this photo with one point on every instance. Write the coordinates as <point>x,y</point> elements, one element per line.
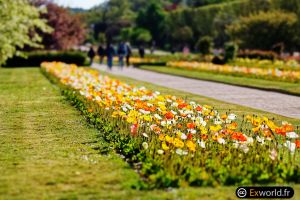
<point>273,102</point>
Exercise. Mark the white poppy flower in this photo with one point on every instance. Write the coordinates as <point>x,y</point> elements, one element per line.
<point>221,141</point>
<point>181,152</point>
<point>273,154</point>
<point>157,116</point>
<point>160,151</point>
<point>292,135</point>
<point>244,148</point>
<point>183,136</point>
<point>232,116</point>
<point>290,145</point>
<point>201,143</point>
<point>145,135</point>
<point>145,145</point>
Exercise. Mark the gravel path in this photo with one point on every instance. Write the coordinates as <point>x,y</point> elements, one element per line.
<point>273,102</point>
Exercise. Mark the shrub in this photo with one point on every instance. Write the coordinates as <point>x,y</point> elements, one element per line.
<point>230,51</point>
<point>217,60</point>
<point>204,45</point>
<point>258,54</point>
<point>36,58</point>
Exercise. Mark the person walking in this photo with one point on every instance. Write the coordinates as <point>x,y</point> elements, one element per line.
<point>91,55</point>
<point>128,55</point>
<point>122,52</point>
<point>110,52</point>
<point>142,51</point>
<point>101,53</point>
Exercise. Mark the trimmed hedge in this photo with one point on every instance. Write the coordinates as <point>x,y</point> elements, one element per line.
<point>258,54</point>
<point>36,58</point>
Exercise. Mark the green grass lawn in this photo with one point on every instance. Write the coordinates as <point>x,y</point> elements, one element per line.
<point>279,86</point>
<point>48,151</point>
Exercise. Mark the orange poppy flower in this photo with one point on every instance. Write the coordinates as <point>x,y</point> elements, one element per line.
<point>280,131</point>
<point>199,108</point>
<point>182,105</point>
<point>288,128</point>
<point>239,136</point>
<point>169,115</point>
<point>190,125</point>
<point>204,136</point>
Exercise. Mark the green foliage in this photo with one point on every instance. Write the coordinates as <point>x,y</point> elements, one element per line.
<point>18,24</point>
<point>211,20</point>
<point>153,19</point>
<point>204,45</point>
<point>264,30</point>
<point>183,35</point>
<point>126,34</point>
<point>140,36</point>
<point>198,3</point>
<point>231,50</point>
<point>101,38</point>
<point>36,58</point>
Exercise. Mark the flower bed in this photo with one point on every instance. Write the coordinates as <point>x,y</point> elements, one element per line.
<point>172,142</point>
<point>273,73</point>
<point>292,65</point>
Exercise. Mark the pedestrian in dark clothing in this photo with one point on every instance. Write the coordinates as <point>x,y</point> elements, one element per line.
<point>142,51</point>
<point>101,53</point>
<point>110,52</point>
<point>122,52</point>
<point>173,50</point>
<point>91,55</point>
<point>128,55</point>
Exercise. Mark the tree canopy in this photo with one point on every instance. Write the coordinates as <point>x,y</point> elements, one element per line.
<point>265,30</point>
<point>19,23</point>
<point>69,30</point>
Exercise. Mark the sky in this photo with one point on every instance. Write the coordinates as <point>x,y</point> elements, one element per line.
<point>86,4</point>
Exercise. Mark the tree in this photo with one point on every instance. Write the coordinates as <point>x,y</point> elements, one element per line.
<point>110,17</point>
<point>18,24</point>
<point>198,3</point>
<point>264,30</point>
<point>69,30</point>
<point>153,19</point>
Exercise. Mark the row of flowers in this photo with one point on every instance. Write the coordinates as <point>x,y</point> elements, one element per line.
<point>288,75</point>
<point>180,142</point>
<point>269,64</point>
